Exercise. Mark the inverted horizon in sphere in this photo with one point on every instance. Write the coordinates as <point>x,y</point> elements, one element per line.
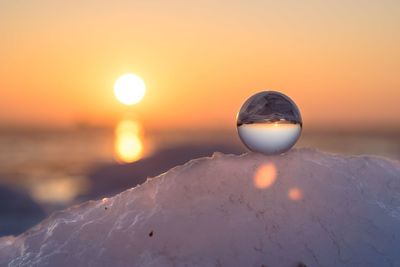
<point>269,122</point>
<point>269,138</point>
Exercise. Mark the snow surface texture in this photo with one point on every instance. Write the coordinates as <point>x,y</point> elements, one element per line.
<point>303,207</point>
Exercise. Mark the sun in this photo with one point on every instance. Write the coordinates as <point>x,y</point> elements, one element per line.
<point>129,89</point>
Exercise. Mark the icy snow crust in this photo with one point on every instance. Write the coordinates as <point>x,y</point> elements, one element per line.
<point>209,212</point>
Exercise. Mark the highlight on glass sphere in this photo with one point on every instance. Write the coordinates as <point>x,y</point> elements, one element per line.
<point>269,122</point>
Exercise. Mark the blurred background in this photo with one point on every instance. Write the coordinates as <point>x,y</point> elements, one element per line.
<point>65,137</point>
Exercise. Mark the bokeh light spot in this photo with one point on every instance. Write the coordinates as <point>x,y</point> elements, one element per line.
<point>265,176</point>
<point>295,194</point>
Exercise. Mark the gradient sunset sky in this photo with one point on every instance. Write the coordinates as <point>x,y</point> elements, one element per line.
<point>338,60</point>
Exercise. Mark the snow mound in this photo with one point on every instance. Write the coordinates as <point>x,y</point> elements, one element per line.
<point>302,208</point>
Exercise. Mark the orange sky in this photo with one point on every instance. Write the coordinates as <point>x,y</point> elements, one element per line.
<point>338,60</point>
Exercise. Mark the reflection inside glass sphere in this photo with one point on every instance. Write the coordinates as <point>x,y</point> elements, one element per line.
<point>269,122</point>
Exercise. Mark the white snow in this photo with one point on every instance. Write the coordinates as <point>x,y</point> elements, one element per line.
<point>315,208</point>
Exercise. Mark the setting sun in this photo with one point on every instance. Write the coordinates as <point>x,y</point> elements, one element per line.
<point>129,89</point>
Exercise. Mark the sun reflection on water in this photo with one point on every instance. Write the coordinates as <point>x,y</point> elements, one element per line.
<point>128,144</point>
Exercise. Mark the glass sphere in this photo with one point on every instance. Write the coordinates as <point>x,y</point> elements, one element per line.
<point>269,122</point>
